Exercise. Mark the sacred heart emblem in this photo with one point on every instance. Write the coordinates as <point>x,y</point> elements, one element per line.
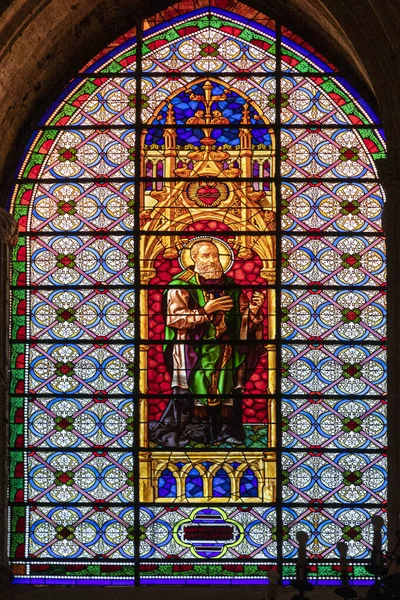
<point>209,193</point>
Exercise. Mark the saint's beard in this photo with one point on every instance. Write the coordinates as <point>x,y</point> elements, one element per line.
<point>209,271</point>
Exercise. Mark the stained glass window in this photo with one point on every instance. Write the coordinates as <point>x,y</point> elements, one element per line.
<point>198,312</point>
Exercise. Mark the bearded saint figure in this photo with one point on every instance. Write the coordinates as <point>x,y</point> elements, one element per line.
<point>209,322</point>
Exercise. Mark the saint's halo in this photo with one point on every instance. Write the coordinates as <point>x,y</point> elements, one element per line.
<point>226,255</point>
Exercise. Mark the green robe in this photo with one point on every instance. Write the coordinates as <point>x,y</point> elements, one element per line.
<point>216,362</point>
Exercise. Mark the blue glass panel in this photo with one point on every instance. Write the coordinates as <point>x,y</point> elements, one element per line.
<point>167,485</point>
<point>221,486</point>
<point>249,484</point>
<point>194,484</point>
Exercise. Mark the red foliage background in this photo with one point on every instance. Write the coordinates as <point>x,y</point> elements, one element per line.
<point>245,273</point>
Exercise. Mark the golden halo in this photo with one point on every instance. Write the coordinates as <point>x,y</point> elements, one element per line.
<point>226,255</point>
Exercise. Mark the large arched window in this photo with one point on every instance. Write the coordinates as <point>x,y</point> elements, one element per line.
<point>198,293</point>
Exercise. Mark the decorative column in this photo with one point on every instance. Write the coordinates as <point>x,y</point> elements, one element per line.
<point>246,167</point>
<point>269,274</point>
<point>246,152</point>
<point>170,154</point>
<point>8,238</point>
<point>146,275</point>
<point>145,460</point>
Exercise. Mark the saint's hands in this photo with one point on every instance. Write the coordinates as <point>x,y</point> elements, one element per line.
<point>256,302</point>
<point>224,303</point>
